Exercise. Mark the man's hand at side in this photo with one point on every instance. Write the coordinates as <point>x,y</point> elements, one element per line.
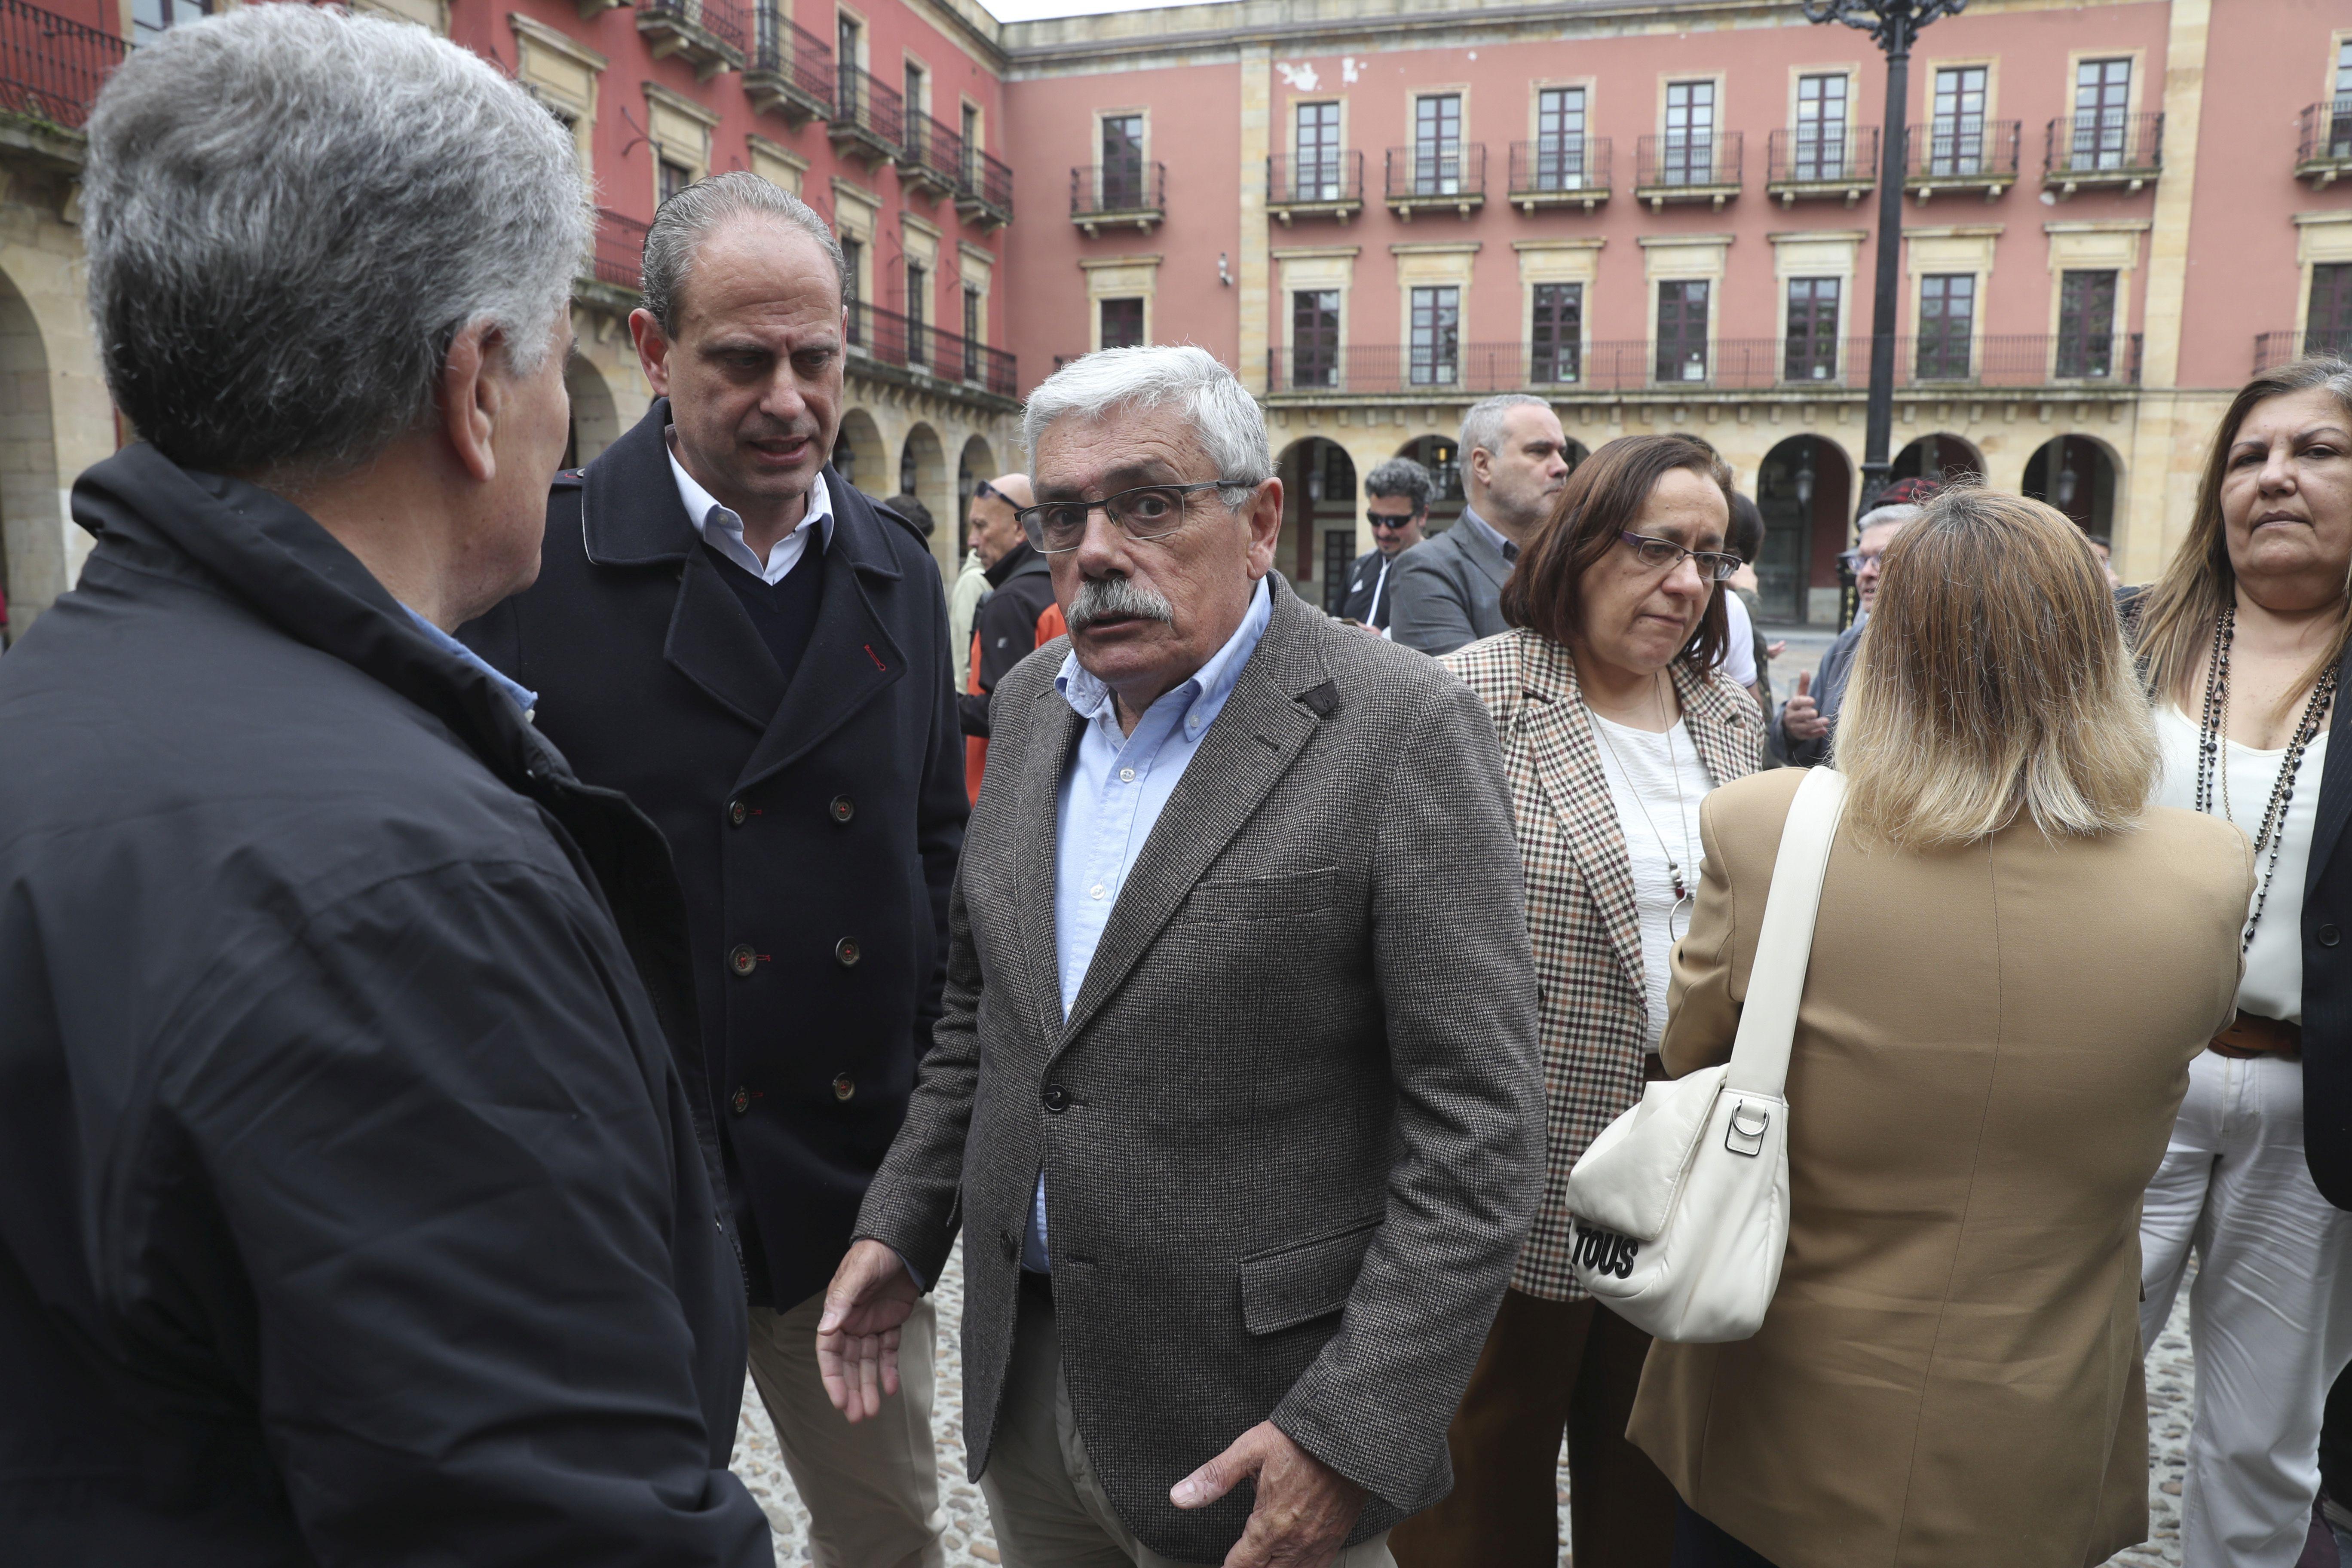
<point>1304,1510</point>
<point>858,1338</point>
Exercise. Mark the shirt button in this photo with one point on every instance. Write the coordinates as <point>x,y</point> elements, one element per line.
<point>742,960</point>
<point>1058,1099</point>
<point>1095,891</point>
<point>737,811</point>
<point>845,953</point>
<point>1126,775</point>
<point>843,808</point>
<point>843,1086</point>
<point>2329,936</point>
<point>741,1100</point>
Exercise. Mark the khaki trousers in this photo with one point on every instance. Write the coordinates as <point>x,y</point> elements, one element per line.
<point>1548,1366</point>
<point>872,1490</point>
<point>1048,1508</point>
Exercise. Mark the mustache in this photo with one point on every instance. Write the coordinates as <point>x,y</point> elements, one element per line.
<point>1115,598</point>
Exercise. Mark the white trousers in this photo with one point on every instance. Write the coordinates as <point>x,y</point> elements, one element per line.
<point>2270,1316</point>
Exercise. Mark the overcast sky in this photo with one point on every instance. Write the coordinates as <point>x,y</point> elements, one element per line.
<point>1031,10</point>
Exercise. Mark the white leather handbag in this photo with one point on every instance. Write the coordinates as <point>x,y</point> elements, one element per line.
<point>1681,1205</point>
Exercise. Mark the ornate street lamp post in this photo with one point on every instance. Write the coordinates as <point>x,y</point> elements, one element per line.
<point>1892,24</point>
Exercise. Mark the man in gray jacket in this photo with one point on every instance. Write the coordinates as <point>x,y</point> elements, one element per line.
<point>1448,592</point>
<point>1803,731</point>
<point>1235,1097</point>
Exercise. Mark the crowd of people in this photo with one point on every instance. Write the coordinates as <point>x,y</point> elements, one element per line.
<point>484,966</point>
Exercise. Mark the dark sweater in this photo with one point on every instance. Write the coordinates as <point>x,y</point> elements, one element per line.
<point>784,612</point>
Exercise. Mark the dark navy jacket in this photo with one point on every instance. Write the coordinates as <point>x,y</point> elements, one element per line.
<point>2327,967</point>
<point>815,825</point>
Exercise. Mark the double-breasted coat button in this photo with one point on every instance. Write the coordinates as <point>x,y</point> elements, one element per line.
<point>741,1100</point>
<point>843,1086</point>
<point>843,808</point>
<point>845,953</point>
<point>1058,1099</point>
<point>2329,936</point>
<point>737,811</point>
<point>741,959</point>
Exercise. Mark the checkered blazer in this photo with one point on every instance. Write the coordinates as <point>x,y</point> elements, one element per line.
<point>1580,910</point>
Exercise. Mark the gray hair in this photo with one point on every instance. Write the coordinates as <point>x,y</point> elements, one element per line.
<point>1482,427</point>
<point>290,213</point>
<point>1223,416</point>
<point>1402,477</point>
<point>690,216</point>
<point>1897,512</point>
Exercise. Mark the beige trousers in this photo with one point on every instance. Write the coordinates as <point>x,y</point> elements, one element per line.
<point>1049,1508</point>
<point>872,1490</point>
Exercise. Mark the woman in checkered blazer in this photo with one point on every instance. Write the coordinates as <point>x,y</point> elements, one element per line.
<point>1614,724</point>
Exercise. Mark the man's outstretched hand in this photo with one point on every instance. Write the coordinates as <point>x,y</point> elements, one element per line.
<point>858,1338</point>
<point>1304,1510</point>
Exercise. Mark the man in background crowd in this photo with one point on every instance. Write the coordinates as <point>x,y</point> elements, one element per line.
<point>1803,733</point>
<point>912,509</point>
<point>988,533</point>
<point>1016,616</point>
<point>1396,503</point>
<point>1514,461</point>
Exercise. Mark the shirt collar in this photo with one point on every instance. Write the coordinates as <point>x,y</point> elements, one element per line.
<point>1492,535</point>
<point>709,514</point>
<point>1204,694</point>
<point>524,698</point>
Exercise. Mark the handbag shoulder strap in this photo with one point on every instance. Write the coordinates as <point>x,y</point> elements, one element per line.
<point>1784,948</point>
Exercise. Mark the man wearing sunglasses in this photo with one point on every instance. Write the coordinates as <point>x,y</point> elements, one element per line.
<point>1396,504</point>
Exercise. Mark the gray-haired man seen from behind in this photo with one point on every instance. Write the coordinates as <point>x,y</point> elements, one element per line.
<point>1235,1099</point>
<point>1397,494</point>
<point>357,1210</point>
<point>1514,459</point>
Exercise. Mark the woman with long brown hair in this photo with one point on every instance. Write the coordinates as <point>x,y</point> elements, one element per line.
<point>2243,642</point>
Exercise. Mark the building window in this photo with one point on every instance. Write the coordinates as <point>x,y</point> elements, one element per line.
<point>2327,324</point>
<point>2339,113</point>
<point>1820,127</point>
<point>1810,351</point>
<point>856,104</point>
<point>1436,347</point>
<point>1437,144</point>
<point>1956,135</point>
<point>149,19</point>
<point>1559,138</point>
<point>1315,338</point>
<point>1948,319</point>
<point>914,126</point>
<point>1122,323</point>
<point>1689,151</point>
<point>2087,324</point>
<point>971,146</point>
<point>1318,160</point>
<point>674,177</point>
<point>1682,330</point>
<point>2101,133</point>
<point>1122,162</point>
<point>1556,335</point>
<point>971,333</point>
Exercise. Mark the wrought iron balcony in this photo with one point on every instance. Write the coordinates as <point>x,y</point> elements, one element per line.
<point>930,160</point>
<point>2273,349</point>
<point>1118,196</point>
<point>886,337</point>
<point>791,69</point>
<point>51,68</point>
<point>619,259</point>
<point>1805,161</point>
<point>709,34</point>
<point>2322,153</point>
<point>2094,148</point>
<point>1678,166</point>
<point>986,194</point>
<point>1440,176</point>
<point>1329,184</point>
<point>1559,171</point>
<point>869,117</point>
<point>1961,153</point>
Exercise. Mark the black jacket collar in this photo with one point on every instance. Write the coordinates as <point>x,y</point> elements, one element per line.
<point>630,514</point>
<point>1020,558</point>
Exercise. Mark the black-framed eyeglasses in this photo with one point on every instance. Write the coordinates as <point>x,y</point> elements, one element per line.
<point>1147,511</point>
<point>1855,560</point>
<point>1665,554</point>
<point>1379,521</point>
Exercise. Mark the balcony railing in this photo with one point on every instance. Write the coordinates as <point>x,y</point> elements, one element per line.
<point>1678,166</point>
<point>2273,349</point>
<point>709,34</point>
<point>1961,153</point>
<point>51,68</point>
<point>1753,364</point>
<point>1108,195</point>
<point>1809,161</point>
<point>1560,171</point>
<point>620,251</point>
<point>791,71</point>
<point>1329,185</point>
<point>2323,152</point>
<point>889,338</point>
<point>931,155</point>
<point>1436,176</point>
<point>869,117</point>
<point>2102,148</point>
<point>985,193</point>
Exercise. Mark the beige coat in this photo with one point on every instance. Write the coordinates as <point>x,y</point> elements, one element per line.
<point>1991,1050</point>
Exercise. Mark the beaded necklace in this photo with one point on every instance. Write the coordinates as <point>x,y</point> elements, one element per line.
<point>2214,726</point>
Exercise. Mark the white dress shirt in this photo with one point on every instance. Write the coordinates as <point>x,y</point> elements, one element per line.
<point>723,529</point>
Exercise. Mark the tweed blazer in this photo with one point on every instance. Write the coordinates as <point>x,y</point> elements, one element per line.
<point>1291,1125</point>
<point>1581,915</point>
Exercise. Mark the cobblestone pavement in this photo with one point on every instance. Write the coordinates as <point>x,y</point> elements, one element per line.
<point>970,1543</point>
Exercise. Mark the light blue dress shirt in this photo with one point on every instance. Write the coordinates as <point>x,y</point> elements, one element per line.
<point>524,698</point>
<point>1507,548</point>
<point>1114,792</point>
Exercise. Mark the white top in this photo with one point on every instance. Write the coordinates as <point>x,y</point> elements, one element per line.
<point>722,529</point>
<point>2272,986</point>
<point>1655,782</point>
<point>1739,655</point>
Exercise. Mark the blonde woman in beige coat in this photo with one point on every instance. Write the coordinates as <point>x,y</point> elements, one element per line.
<point>2017,959</point>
